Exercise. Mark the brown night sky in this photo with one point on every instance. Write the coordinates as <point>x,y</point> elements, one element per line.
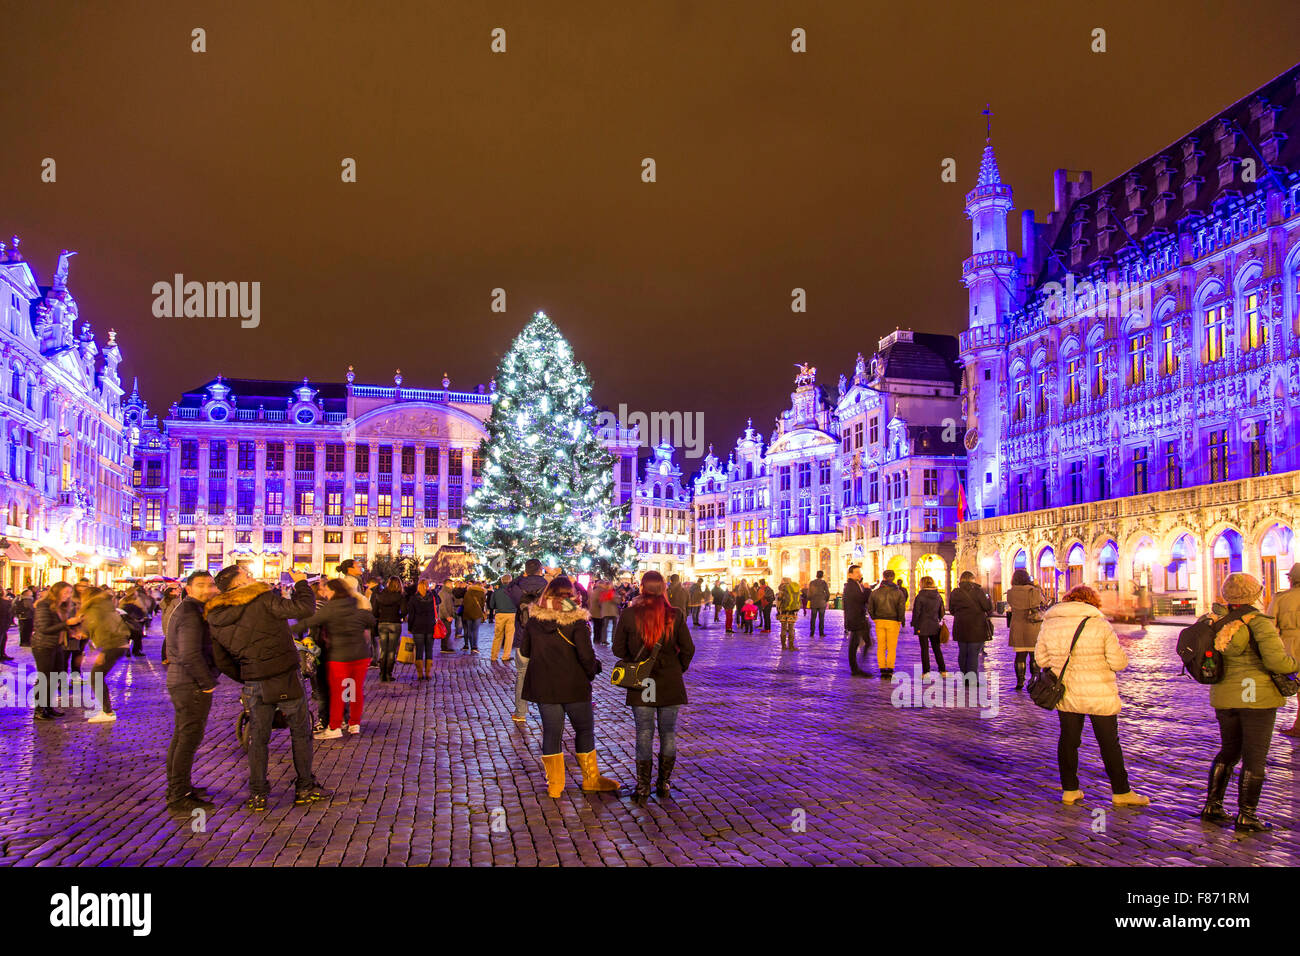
<point>522,171</point>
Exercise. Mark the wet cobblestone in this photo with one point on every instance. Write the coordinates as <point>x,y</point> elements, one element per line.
<point>784,759</point>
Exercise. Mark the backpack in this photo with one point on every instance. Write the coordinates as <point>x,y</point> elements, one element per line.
<point>1196,647</point>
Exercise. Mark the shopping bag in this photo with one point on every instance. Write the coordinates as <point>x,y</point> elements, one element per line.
<point>406,650</point>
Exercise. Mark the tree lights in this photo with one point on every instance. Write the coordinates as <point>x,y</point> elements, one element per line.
<point>548,487</point>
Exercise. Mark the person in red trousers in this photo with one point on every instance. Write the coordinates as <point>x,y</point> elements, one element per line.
<point>342,624</point>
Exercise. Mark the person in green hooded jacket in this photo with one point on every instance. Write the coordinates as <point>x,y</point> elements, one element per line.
<point>1245,701</point>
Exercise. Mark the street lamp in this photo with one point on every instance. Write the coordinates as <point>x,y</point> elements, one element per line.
<point>986,564</point>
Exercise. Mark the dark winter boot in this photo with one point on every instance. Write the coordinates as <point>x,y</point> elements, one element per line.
<point>662,786</point>
<point>1213,812</point>
<point>642,792</point>
<point>1248,790</point>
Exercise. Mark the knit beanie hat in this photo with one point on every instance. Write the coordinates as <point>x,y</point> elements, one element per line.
<point>1240,588</point>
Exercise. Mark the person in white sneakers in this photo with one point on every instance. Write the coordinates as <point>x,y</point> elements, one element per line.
<point>1090,689</point>
<point>342,625</point>
<point>110,634</point>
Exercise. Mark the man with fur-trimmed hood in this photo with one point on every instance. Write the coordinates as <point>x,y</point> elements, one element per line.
<point>252,644</point>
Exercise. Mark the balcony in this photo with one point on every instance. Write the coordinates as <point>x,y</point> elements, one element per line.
<point>333,521</point>
<point>408,522</point>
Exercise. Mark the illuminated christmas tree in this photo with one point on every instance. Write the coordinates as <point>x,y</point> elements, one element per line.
<point>548,482</point>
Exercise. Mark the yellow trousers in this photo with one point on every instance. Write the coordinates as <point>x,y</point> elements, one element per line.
<point>503,634</point>
<point>886,643</point>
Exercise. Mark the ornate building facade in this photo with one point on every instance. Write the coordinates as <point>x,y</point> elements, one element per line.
<point>276,475</point>
<point>662,520</point>
<point>63,451</point>
<point>710,503</point>
<point>803,486</point>
<point>1132,378</point>
<point>902,459</point>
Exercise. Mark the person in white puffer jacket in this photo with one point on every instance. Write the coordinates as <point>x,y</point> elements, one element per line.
<point>1090,690</point>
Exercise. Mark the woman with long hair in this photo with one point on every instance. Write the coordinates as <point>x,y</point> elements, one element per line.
<point>341,623</point>
<point>49,642</point>
<point>556,640</point>
<point>650,623</point>
<point>389,606</point>
<point>1090,690</point>
<point>1024,602</point>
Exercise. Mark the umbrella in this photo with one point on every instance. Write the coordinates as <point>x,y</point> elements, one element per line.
<point>450,561</point>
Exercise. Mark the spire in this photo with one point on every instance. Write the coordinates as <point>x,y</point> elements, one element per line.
<point>989,175</point>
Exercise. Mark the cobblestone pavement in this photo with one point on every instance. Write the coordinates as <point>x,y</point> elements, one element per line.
<point>783,759</point>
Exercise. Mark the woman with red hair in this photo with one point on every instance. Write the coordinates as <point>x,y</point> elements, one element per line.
<point>651,628</point>
<point>1077,631</point>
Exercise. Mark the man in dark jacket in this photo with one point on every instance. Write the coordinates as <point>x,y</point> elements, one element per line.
<point>819,595</point>
<point>717,594</point>
<point>252,644</point>
<point>523,592</point>
<point>888,609</point>
<point>855,619</point>
<point>191,677</point>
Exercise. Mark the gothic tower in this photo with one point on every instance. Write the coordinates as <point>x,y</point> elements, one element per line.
<point>991,276</point>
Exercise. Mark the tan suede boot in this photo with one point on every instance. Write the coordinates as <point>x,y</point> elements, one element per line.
<point>592,781</point>
<point>554,764</point>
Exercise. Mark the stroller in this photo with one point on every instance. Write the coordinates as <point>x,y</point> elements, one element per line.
<point>308,660</point>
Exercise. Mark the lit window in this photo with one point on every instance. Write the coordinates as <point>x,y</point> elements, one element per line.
<point>1215,323</point>
<point>1256,327</point>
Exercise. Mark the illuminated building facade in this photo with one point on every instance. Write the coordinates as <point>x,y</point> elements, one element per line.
<point>1132,378</point>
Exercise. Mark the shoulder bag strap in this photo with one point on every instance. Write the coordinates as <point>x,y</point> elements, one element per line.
<point>1077,631</point>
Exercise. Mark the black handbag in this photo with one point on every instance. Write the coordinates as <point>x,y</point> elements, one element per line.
<point>1045,688</point>
<point>632,674</point>
<point>1288,685</point>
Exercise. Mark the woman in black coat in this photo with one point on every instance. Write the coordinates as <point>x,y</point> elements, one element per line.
<point>971,627</point>
<point>421,615</point>
<point>561,666</point>
<point>389,606</point>
<point>651,624</point>
<point>53,614</point>
<point>927,621</point>
<point>343,625</point>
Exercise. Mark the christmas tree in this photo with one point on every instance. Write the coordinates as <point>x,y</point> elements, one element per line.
<point>548,482</point>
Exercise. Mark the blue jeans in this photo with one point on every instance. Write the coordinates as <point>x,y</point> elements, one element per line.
<point>261,713</point>
<point>817,621</point>
<point>580,716</point>
<point>645,730</point>
<point>968,658</point>
<point>423,646</point>
<point>471,632</point>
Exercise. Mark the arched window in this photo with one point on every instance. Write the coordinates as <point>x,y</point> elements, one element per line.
<point>1139,356</point>
<point>1254,326</point>
<point>1214,318</point>
<point>16,385</point>
<point>1107,562</point>
<point>749,470</point>
<point>1020,398</point>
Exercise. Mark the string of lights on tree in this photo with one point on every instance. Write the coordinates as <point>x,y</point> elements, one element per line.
<point>548,481</point>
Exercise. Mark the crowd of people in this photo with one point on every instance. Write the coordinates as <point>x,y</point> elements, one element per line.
<point>313,642</point>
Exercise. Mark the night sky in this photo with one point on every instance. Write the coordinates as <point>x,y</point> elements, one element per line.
<point>523,171</point>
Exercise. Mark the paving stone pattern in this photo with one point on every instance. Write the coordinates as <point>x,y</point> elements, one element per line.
<point>784,759</point>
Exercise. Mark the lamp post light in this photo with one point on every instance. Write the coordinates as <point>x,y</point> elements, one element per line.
<point>986,565</point>
<point>1145,557</point>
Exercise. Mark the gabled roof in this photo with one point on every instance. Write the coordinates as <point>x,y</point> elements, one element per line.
<point>928,357</point>
<point>1280,97</point>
